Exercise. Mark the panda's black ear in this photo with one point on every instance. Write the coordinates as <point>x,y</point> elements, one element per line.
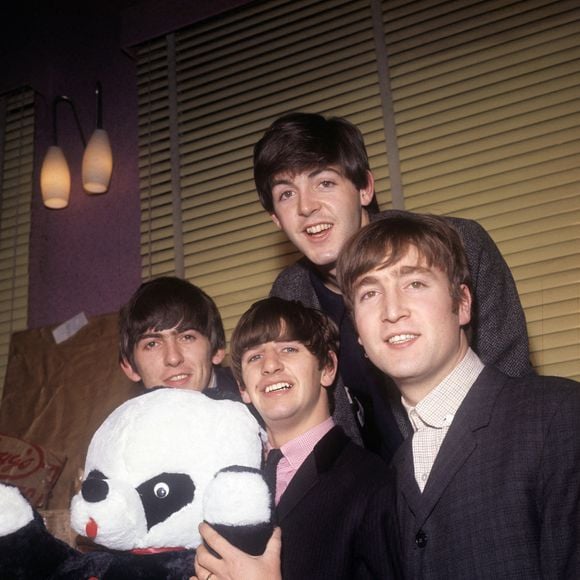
<point>239,506</point>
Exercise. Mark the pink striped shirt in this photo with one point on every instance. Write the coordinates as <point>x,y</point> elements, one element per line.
<point>295,452</point>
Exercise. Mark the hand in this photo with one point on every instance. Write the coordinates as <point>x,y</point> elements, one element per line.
<point>235,564</point>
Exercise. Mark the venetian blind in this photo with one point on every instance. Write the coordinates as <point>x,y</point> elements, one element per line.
<point>16,168</point>
<point>486,97</point>
<point>219,84</point>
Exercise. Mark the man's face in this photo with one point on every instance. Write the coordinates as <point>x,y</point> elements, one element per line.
<point>173,359</point>
<point>319,210</point>
<point>286,386</point>
<point>406,324</point>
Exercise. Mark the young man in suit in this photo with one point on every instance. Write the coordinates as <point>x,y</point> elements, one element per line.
<point>331,495</point>
<point>171,334</point>
<point>488,486</point>
<point>312,176</point>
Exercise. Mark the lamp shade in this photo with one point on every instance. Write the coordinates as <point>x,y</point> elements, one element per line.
<point>97,163</point>
<point>55,179</point>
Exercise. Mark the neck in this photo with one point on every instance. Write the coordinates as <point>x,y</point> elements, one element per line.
<point>415,391</point>
<point>329,280</point>
<point>328,271</point>
<point>279,435</point>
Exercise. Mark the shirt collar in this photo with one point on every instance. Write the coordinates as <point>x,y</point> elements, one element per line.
<point>297,450</point>
<point>439,407</point>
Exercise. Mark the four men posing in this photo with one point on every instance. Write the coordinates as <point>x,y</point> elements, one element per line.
<point>487,484</point>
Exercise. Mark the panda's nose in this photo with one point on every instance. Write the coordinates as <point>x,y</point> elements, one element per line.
<point>94,489</point>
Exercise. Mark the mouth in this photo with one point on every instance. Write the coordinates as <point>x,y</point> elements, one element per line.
<point>401,338</point>
<point>91,529</point>
<point>177,379</point>
<point>318,229</point>
<point>277,387</point>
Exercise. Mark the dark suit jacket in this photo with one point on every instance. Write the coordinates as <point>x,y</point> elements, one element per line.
<point>335,513</point>
<point>503,497</point>
<point>499,335</point>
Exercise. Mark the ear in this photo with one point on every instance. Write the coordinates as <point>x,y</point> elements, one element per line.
<point>329,371</point>
<point>244,395</point>
<point>276,220</point>
<point>366,194</point>
<point>464,311</point>
<point>218,357</point>
<point>129,371</point>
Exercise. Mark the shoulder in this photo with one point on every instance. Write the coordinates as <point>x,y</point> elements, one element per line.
<point>293,283</point>
<point>353,461</point>
<point>226,386</point>
<point>541,399</point>
<point>463,225</point>
<point>297,271</point>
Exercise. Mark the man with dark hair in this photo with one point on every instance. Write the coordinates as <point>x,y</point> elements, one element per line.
<point>171,334</point>
<point>331,495</point>
<point>313,177</point>
<point>488,486</point>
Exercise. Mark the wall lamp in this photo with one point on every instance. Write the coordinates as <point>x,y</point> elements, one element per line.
<point>97,164</point>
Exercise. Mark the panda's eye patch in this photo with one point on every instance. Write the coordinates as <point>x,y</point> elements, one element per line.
<point>161,490</point>
<point>165,494</point>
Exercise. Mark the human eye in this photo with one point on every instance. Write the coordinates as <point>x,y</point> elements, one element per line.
<point>284,194</point>
<point>188,336</point>
<point>364,295</point>
<point>148,343</point>
<point>252,357</point>
<point>416,285</point>
<point>290,348</point>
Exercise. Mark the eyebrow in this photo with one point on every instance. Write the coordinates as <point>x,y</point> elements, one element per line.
<point>314,173</point>
<point>399,273</point>
<point>159,333</point>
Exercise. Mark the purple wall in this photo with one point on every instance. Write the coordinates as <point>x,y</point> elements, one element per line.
<point>86,257</point>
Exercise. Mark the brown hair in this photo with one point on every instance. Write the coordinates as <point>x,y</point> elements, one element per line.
<point>385,241</point>
<point>298,142</point>
<point>164,303</point>
<point>275,319</point>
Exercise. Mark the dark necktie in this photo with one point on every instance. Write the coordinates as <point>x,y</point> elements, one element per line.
<point>270,466</point>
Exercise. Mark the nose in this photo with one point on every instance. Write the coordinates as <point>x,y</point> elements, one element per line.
<point>393,307</point>
<point>173,354</point>
<point>271,362</point>
<point>307,203</point>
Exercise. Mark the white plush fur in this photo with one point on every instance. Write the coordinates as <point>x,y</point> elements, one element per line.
<point>15,511</point>
<point>237,499</point>
<point>173,431</point>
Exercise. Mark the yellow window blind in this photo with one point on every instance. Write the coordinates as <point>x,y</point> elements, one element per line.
<point>16,169</point>
<point>233,76</point>
<point>486,99</point>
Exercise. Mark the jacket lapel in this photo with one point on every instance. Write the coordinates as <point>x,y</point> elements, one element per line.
<point>318,462</point>
<point>459,443</point>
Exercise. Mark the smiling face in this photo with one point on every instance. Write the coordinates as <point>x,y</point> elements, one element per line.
<point>408,324</point>
<point>173,358</point>
<point>319,210</point>
<point>284,382</point>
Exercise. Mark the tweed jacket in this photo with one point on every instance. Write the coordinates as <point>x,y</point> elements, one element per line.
<point>335,514</point>
<point>503,497</point>
<point>499,333</point>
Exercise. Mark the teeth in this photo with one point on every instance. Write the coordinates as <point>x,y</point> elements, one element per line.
<point>277,387</point>
<point>400,338</point>
<point>318,228</point>
<point>178,377</point>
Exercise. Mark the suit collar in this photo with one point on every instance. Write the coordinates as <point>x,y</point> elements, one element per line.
<point>321,460</point>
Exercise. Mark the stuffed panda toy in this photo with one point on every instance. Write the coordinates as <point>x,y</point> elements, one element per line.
<point>158,466</point>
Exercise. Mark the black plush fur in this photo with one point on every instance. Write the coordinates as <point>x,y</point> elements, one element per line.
<point>32,553</point>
